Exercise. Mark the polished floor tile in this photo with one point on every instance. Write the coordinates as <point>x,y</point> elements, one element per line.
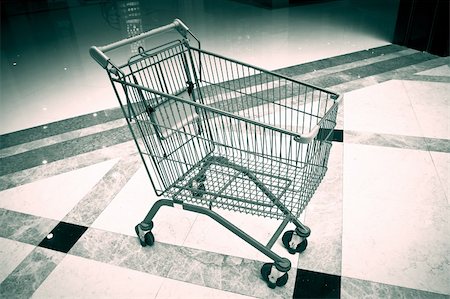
<point>317,285</point>
<point>432,115</point>
<point>30,273</point>
<point>63,237</point>
<point>92,279</point>
<point>171,225</point>
<point>383,108</point>
<point>174,289</point>
<point>443,70</point>
<point>324,216</point>
<point>395,215</point>
<point>54,197</point>
<point>16,253</point>
<point>442,163</point>
<point>210,235</point>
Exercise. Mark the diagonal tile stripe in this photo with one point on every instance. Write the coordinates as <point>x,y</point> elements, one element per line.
<point>30,273</point>
<point>65,165</point>
<point>25,228</point>
<point>370,70</point>
<point>398,141</point>
<point>59,127</point>
<point>24,147</point>
<point>195,266</point>
<point>62,150</point>
<point>338,60</point>
<point>92,205</point>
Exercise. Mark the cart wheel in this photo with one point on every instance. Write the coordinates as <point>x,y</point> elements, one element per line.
<point>201,178</point>
<point>281,277</point>
<point>199,189</point>
<point>145,235</point>
<point>300,247</point>
<point>149,239</point>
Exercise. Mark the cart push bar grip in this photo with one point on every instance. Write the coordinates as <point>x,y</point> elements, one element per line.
<point>98,53</point>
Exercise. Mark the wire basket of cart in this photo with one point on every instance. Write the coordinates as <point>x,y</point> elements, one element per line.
<point>216,133</point>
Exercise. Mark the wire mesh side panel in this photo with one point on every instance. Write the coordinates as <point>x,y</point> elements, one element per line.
<point>259,95</point>
<point>274,101</point>
<point>240,161</point>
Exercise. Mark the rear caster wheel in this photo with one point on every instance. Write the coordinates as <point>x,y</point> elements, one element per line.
<point>149,238</point>
<point>273,277</point>
<point>198,186</point>
<point>293,242</point>
<point>144,234</point>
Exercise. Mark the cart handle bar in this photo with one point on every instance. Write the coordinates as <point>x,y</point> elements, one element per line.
<point>98,53</point>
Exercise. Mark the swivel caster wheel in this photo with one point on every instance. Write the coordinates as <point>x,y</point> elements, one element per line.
<point>273,277</point>
<point>198,186</point>
<point>293,242</point>
<point>145,235</point>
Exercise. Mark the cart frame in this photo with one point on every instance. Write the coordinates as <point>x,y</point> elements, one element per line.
<point>155,116</point>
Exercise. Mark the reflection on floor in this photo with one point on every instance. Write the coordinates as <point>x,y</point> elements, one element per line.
<point>72,191</point>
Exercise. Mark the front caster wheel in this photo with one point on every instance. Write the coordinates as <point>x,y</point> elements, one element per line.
<point>273,277</point>
<point>293,242</point>
<point>198,186</point>
<point>145,235</point>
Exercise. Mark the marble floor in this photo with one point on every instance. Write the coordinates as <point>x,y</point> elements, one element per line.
<point>72,186</point>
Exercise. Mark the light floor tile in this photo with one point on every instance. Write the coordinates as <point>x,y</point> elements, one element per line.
<point>443,70</point>
<point>431,105</point>
<point>77,277</point>
<point>324,217</point>
<point>391,175</point>
<point>442,163</point>
<point>30,273</point>
<point>12,254</point>
<point>207,234</point>
<point>54,197</point>
<point>382,108</point>
<point>396,219</point>
<point>177,289</point>
<point>131,205</point>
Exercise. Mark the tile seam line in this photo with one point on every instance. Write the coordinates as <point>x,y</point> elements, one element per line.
<point>427,143</point>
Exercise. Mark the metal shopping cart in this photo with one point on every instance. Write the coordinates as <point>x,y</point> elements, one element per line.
<point>215,133</point>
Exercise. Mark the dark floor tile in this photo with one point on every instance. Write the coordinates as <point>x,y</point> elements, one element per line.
<point>63,237</point>
<point>309,284</point>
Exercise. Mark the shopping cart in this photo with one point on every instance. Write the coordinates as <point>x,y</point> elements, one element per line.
<point>215,133</point>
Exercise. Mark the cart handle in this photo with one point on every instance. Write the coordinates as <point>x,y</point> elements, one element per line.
<point>98,53</point>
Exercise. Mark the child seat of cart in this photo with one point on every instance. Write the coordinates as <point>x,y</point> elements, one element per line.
<point>171,116</point>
